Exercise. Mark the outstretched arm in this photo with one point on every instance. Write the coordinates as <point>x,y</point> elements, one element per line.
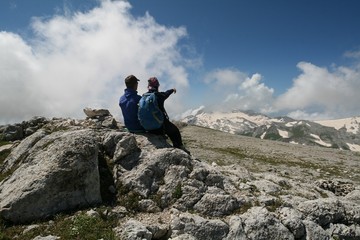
<point>169,92</point>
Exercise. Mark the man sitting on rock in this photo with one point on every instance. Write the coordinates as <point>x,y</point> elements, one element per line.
<point>129,105</point>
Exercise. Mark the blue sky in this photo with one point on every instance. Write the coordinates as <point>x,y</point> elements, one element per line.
<point>281,57</point>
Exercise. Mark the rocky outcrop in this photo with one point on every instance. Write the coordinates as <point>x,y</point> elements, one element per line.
<point>59,173</point>
<point>19,131</point>
<point>159,192</point>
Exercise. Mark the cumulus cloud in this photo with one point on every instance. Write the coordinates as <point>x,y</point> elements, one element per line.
<point>322,93</point>
<point>80,59</point>
<point>224,77</point>
<point>240,91</point>
<point>317,93</point>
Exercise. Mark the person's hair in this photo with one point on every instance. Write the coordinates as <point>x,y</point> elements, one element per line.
<point>131,81</point>
<point>153,84</point>
<point>131,84</point>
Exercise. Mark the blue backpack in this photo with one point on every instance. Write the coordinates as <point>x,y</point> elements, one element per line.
<point>150,115</point>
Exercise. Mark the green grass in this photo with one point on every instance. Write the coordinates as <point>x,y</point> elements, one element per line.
<point>177,191</point>
<point>2,143</point>
<point>3,156</point>
<point>298,131</point>
<point>272,136</point>
<point>277,204</point>
<point>243,155</point>
<point>80,226</point>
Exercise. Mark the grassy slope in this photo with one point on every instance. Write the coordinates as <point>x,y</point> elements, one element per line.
<point>304,163</point>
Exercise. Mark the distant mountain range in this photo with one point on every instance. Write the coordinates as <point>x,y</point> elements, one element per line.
<point>340,133</point>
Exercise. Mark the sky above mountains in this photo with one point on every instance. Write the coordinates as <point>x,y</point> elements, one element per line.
<point>295,58</point>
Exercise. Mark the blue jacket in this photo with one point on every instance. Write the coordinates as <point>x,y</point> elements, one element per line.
<point>129,107</point>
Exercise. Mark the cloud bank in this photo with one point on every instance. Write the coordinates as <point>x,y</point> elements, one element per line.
<point>317,93</point>
<point>80,59</point>
<point>320,93</point>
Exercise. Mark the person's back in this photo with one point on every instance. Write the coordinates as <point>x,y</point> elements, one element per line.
<point>129,105</point>
<point>168,127</point>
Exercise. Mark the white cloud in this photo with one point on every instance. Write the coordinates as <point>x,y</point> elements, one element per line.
<point>237,90</point>
<point>191,112</point>
<point>225,77</point>
<point>352,54</point>
<point>318,91</point>
<point>80,59</point>
<point>299,114</point>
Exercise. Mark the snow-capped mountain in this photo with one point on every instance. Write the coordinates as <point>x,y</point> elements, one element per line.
<point>342,133</point>
<point>351,125</point>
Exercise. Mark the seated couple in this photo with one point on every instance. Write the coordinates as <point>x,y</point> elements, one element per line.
<point>129,107</point>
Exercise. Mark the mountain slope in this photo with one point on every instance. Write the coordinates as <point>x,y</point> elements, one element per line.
<point>303,163</point>
<point>285,129</point>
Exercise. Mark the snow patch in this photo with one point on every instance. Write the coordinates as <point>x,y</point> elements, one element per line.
<point>290,124</point>
<point>319,141</point>
<point>283,134</point>
<point>354,147</point>
<point>263,135</point>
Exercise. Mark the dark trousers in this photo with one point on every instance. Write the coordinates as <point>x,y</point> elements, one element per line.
<point>171,131</point>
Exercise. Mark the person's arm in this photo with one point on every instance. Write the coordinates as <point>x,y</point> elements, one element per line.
<point>169,92</point>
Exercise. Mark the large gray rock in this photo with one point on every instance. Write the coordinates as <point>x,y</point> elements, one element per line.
<point>147,174</point>
<point>292,219</point>
<point>133,230</point>
<point>314,231</point>
<point>12,133</point>
<point>20,153</point>
<point>323,211</point>
<point>260,224</point>
<point>236,229</point>
<point>94,113</point>
<point>217,204</point>
<point>198,227</point>
<point>59,173</point>
<point>341,231</point>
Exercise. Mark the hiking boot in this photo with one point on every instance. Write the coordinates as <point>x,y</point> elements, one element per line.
<point>182,147</point>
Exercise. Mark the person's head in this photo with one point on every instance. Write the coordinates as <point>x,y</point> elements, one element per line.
<point>153,84</point>
<point>131,82</point>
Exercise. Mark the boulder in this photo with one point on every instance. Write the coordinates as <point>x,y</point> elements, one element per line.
<point>96,113</point>
<point>259,223</point>
<point>59,173</point>
<point>323,211</point>
<point>133,230</point>
<point>198,227</point>
<point>217,205</point>
<point>19,154</point>
<point>292,219</point>
<point>12,133</point>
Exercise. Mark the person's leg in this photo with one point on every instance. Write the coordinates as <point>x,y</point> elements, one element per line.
<point>174,134</point>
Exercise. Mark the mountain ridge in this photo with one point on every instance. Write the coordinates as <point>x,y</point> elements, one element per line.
<point>341,134</point>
